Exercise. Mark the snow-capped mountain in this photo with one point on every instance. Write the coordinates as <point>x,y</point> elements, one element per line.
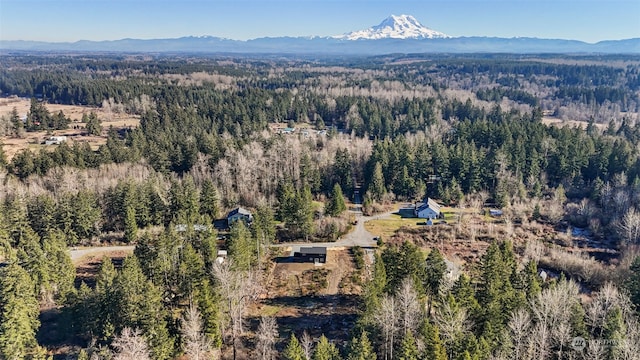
<point>395,27</point>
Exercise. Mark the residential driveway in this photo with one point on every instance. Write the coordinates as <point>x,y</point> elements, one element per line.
<point>359,236</point>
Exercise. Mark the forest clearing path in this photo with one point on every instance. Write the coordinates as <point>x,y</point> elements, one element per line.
<point>77,254</point>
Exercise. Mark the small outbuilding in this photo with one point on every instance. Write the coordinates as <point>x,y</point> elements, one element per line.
<point>314,254</point>
<point>495,212</point>
<point>239,214</point>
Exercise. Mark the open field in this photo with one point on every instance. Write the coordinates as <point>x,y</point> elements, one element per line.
<point>549,120</point>
<point>75,133</point>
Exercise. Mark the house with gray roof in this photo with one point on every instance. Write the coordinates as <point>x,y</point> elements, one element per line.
<point>239,213</point>
<point>429,209</point>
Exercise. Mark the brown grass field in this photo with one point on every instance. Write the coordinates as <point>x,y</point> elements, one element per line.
<point>554,121</point>
<point>75,133</point>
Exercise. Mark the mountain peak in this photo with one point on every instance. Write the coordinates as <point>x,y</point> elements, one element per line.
<point>395,27</point>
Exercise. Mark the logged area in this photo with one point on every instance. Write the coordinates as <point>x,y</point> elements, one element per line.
<point>476,206</point>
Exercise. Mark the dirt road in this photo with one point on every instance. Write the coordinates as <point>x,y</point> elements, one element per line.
<point>78,254</point>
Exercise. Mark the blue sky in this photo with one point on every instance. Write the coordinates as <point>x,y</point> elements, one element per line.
<point>72,20</point>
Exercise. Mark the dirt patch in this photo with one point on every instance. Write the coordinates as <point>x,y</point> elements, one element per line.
<point>290,278</point>
<point>303,296</point>
<point>87,268</point>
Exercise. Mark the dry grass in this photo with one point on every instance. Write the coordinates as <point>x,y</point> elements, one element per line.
<point>554,121</point>
<point>389,226</point>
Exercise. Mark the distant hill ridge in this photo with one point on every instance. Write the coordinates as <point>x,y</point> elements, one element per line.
<point>395,34</point>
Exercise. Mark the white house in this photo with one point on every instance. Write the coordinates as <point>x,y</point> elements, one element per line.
<point>427,210</point>
<point>55,140</point>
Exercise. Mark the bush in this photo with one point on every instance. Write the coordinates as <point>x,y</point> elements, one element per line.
<point>358,257</point>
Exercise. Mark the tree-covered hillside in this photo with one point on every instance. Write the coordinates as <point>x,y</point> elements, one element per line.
<point>550,141</point>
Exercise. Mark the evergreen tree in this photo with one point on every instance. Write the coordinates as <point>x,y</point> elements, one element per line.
<point>209,200</point>
<point>400,263</point>
<point>632,284</point>
<point>614,332</point>
<point>59,265</point>
<point>106,303</point>
<point>16,123</point>
<point>191,271</point>
<point>288,206</point>
<point>325,350</point>
<point>435,270</point>
<point>207,301</point>
<point>577,320</point>
<point>130,225</point>
<point>374,290</point>
<point>33,259</point>
<point>293,351</point>
<point>342,170</point>
<point>433,347</point>
<point>3,156</point>
<point>139,305</point>
<point>408,348</point>
<point>184,201</point>
<point>85,214</point>
<point>92,124</point>
<point>241,246</point>
<point>464,294</point>
<point>309,173</point>
<point>376,187</point>
<point>19,312</point>
<point>41,210</point>
<point>531,279</point>
<point>263,228</point>
<point>497,296</point>
<point>335,205</point>
<point>191,197</point>
<point>359,348</point>
<point>65,217</point>
<point>304,216</point>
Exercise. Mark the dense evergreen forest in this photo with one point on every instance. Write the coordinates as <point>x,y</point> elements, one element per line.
<point>470,131</point>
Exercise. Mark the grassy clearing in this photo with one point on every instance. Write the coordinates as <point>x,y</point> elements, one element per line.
<point>388,227</point>
<point>269,310</point>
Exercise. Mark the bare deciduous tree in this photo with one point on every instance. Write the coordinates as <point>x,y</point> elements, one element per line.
<point>387,321</point>
<point>266,338</point>
<point>306,342</point>
<point>196,344</point>
<point>540,341</point>
<point>408,306</point>
<point>453,322</point>
<point>630,226</point>
<point>130,345</point>
<point>238,289</point>
<point>520,330</point>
